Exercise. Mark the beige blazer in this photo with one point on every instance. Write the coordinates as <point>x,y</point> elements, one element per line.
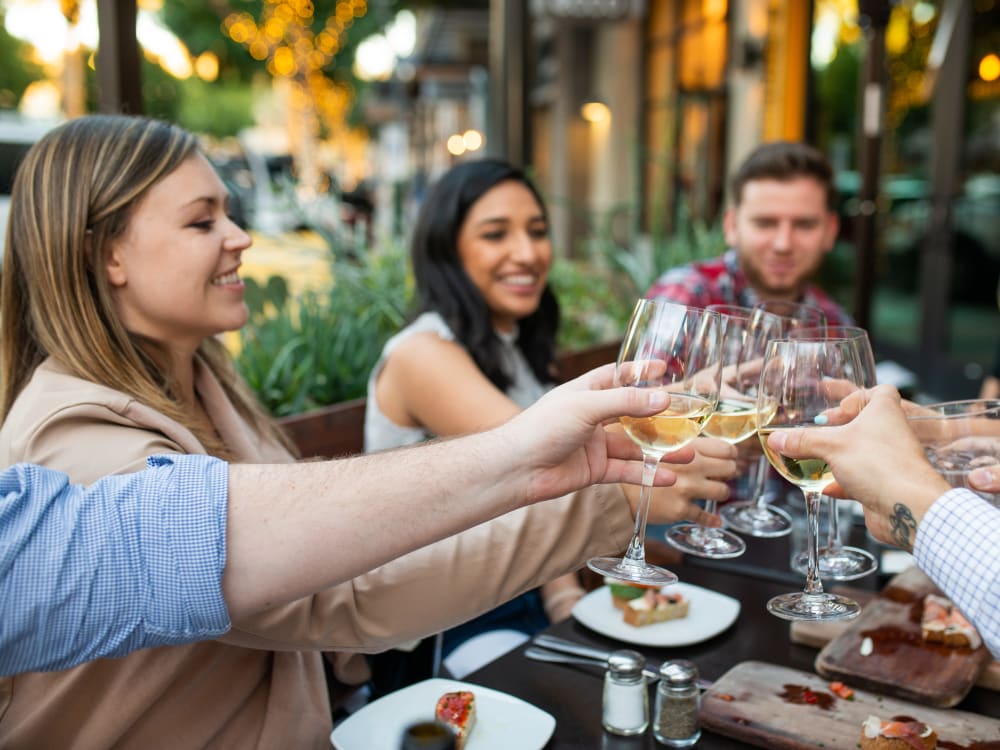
<point>262,685</point>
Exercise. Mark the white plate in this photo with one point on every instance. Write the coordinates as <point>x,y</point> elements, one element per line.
<point>709,614</point>
<point>502,721</point>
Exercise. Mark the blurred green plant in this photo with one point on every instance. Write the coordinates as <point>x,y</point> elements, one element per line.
<point>318,349</point>
<point>649,256</point>
<point>593,303</point>
<point>217,109</point>
<point>598,291</point>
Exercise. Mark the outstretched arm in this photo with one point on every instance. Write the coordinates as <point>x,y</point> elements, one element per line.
<point>124,564</point>
<point>339,519</point>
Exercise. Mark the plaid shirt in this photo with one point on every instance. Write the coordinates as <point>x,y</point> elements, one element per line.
<point>130,562</point>
<point>721,281</point>
<point>958,547</point>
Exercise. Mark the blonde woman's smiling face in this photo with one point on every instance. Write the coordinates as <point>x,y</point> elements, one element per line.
<point>504,247</point>
<point>175,269</point>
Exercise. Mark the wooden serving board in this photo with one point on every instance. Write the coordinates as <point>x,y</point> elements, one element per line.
<point>818,634</point>
<point>901,663</point>
<point>763,712</point>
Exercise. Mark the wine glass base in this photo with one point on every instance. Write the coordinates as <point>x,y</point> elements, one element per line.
<point>803,606</point>
<point>624,570</point>
<point>764,522</point>
<point>841,564</point>
<point>693,539</point>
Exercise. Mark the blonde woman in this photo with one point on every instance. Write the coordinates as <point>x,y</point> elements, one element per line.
<point>120,268</point>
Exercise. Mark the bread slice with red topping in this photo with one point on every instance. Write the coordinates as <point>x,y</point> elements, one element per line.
<point>653,607</point>
<point>941,622</point>
<point>457,710</point>
<point>897,734</point>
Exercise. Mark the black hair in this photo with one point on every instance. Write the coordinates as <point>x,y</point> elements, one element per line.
<point>783,161</point>
<point>443,286</point>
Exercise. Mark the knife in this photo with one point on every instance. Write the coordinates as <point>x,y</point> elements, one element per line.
<point>541,654</point>
<point>589,652</point>
<point>570,647</point>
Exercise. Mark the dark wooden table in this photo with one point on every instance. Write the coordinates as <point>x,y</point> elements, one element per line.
<point>573,694</point>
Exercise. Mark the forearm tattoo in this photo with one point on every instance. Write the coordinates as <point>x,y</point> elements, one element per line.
<point>904,526</point>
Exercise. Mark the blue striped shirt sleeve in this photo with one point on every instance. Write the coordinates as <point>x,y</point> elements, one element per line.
<point>131,562</point>
<point>958,547</point>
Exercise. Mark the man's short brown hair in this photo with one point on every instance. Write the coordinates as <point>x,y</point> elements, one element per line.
<point>784,160</point>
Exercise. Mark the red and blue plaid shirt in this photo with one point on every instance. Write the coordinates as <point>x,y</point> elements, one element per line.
<point>721,281</point>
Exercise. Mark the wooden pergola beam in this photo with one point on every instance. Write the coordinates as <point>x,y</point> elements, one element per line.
<point>119,80</point>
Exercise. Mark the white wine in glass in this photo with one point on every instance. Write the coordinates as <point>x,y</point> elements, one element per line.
<point>745,335</point>
<point>837,561</point>
<point>675,349</point>
<point>755,516</point>
<point>801,380</point>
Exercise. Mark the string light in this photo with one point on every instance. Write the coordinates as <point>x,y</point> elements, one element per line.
<point>283,38</point>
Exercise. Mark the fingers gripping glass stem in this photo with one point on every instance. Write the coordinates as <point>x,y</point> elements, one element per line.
<point>675,349</point>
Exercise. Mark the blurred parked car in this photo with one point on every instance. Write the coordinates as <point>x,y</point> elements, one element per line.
<point>17,135</point>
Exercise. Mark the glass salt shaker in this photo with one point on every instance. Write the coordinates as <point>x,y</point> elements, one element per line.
<point>676,719</point>
<point>626,701</point>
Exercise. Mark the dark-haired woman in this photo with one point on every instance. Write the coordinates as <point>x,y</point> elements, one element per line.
<point>482,347</point>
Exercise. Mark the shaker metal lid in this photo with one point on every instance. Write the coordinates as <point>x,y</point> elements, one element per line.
<point>678,673</point>
<point>626,663</point>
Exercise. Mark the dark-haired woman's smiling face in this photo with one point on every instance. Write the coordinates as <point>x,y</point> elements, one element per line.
<point>504,247</point>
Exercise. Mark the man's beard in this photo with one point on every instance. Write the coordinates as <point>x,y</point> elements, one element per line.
<point>792,290</point>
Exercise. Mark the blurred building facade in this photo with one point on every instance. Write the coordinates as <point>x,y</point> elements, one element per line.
<point>632,112</point>
<point>629,112</point>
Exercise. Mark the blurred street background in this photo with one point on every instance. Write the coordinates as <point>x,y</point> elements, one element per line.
<point>327,119</point>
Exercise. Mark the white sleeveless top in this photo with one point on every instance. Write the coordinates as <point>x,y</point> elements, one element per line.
<point>381,433</point>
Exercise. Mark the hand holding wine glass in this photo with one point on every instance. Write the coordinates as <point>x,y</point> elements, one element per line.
<point>801,381</point>
<point>675,349</point>
<point>959,436</point>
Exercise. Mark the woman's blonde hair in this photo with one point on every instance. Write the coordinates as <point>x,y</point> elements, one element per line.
<point>74,193</point>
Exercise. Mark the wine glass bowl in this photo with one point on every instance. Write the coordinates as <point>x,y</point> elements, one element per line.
<point>756,516</point>
<point>838,561</point>
<point>800,381</point>
<point>959,436</point>
<point>676,349</point>
<point>745,335</point>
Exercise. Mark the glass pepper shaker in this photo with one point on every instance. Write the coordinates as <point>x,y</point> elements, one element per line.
<point>626,701</point>
<point>427,735</point>
<point>676,721</point>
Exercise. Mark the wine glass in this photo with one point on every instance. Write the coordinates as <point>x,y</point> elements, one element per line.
<point>960,436</point>
<point>676,349</point>
<point>745,333</point>
<point>838,561</point>
<point>755,516</point>
<point>800,381</point>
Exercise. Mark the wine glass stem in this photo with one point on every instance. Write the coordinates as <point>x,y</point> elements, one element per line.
<point>833,538</point>
<point>813,583</point>
<point>707,532</point>
<point>760,483</point>
<point>636,552</point>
